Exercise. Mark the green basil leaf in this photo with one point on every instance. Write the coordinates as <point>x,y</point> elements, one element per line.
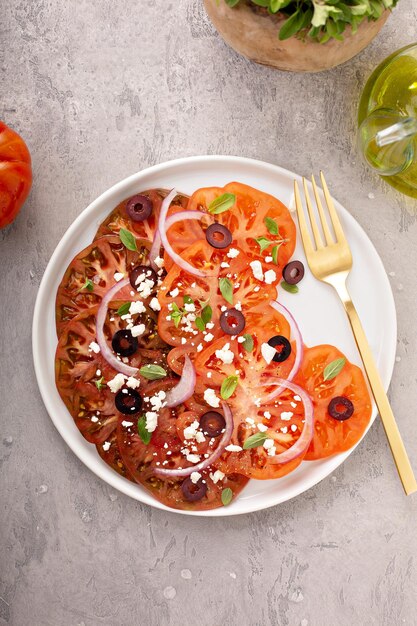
<point>206,314</point>
<point>128,239</point>
<point>271,225</point>
<point>288,287</point>
<point>226,289</point>
<point>333,369</point>
<point>153,372</point>
<point>124,309</point>
<point>144,434</point>
<point>274,254</point>
<point>199,322</point>
<point>227,495</point>
<point>228,387</point>
<point>89,285</point>
<point>232,3</point>
<point>248,343</point>
<point>291,26</point>
<point>188,300</point>
<point>263,243</point>
<point>100,383</point>
<point>222,203</point>
<point>176,317</point>
<point>254,441</point>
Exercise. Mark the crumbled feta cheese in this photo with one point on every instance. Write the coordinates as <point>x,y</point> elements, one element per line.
<point>127,424</point>
<point>193,458</point>
<point>106,446</point>
<point>116,383</point>
<point>126,316</point>
<point>151,421</point>
<point>223,308</point>
<point>199,437</point>
<point>233,253</point>
<point>98,372</point>
<point>241,339</point>
<point>257,288</point>
<point>267,414</point>
<point>191,431</point>
<point>195,477</point>
<point>293,427</point>
<point>270,277</point>
<point>159,262</point>
<point>199,347</point>
<point>225,354</point>
<point>154,304</point>
<point>233,448</point>
<point>250,421</point>
<point>94,419</point>
<point>268,352</point>
<point>294,405</point>
<point>145,288</point>
<point>94,347</point>
<point>136,307</point>
<point>210,325</point>
<point>224,264</point>
<point>183,341</point>
<point>157,401</point>
<point>218,475</point>
<point>262,428</point>
<point>118,276</point>
<point>174,293</point>
<point>211,398</point>
<point>297,398</point>
<point>138,330</point>
<point>189,307</point>
<point>268,443</point>
<point>208,373</point>
<point>286,415</point>
<point>238,306</point>
<point>268,259</point>
<point>257,270</point>
<point>208,337</point>
<point>132,382</point>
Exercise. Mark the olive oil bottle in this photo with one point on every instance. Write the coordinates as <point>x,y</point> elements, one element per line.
<point>388,120</point>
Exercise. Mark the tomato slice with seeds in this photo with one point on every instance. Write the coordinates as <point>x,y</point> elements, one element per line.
<point>330,435</point>
<point>246,221</point>
<point>111,455</point>
<point>164,450</point>
<point>97,263</point>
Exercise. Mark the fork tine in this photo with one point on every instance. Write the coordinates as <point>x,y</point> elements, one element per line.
<point>313,222</point>
<point>305,235</point>
<point>340,235</point>
<point>327,234</point>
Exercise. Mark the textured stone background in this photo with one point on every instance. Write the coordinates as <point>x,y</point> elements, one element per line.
<point>101,89</point>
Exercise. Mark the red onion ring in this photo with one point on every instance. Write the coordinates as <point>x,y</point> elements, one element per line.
<point>105,350</point>
<point>306,436</point>
<point>227,435</point>
<point>180,216</point>
<point>162,228</point>
<point>299,345</point>
<point>184,389</point>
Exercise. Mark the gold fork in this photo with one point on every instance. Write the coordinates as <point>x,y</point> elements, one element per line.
<point>331,263</point>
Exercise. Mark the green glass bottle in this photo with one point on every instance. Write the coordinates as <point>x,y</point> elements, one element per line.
<point>387,119</point>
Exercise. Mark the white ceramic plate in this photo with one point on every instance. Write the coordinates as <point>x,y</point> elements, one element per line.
<point>316,307</point>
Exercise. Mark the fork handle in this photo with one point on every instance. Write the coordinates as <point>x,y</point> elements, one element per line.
<point>388,420</point>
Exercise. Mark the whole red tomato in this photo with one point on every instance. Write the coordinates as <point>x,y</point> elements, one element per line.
<point>15,174</point>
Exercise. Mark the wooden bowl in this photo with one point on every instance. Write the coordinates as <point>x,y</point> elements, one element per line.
<point>254,33</point>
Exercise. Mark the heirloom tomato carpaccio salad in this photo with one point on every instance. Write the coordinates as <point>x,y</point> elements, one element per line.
<point>177,360</point>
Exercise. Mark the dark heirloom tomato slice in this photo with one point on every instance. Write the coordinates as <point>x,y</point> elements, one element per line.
<point>111,455</point>
<point>141,461</point>
<point>98,263</point>
<point>330,435</point>
<point>247,293</point>
<point>76,368</point>
<point>246,220</point>
<point>119,218</point>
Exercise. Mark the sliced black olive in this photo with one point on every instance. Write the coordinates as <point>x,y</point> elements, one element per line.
<point>212,423</point>
<point>340,408</point>
<point>123,343</point>
<point>218,236</point>
<point>193,491</point>
<point>232,321</point>
<point>282,346</point>
<point>128,401</point>
<point>139,208</point>
<point>142,271</point>
<point>293,272</point>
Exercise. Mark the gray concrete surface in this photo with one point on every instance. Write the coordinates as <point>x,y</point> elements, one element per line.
<point>101,89</point>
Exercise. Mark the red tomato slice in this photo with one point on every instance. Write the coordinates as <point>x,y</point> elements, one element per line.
<point>142,459</point>
<point>15,174</point>
<point>111,456</point>
<point>246,221</point>
<point>97,263</point>
<point>330,435</point>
